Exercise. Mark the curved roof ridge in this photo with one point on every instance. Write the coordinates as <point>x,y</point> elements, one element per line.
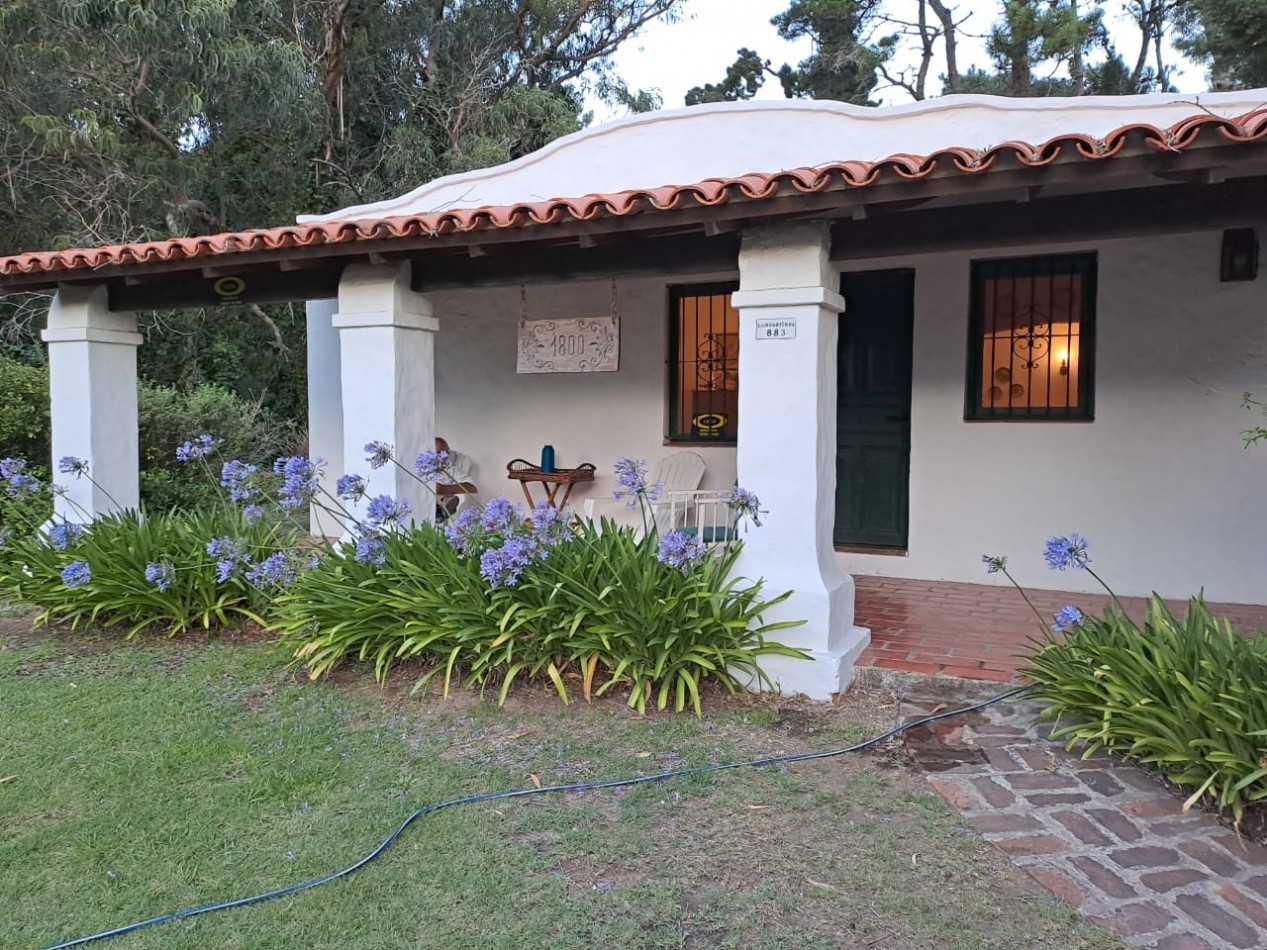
<point>593,160</point>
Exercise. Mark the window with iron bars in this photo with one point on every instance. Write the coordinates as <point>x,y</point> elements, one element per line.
<point>1031,338</point>
<point>703,364</point>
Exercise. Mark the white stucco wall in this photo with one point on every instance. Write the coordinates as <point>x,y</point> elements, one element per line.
<point>492,414</point>
<point>1159,482</point>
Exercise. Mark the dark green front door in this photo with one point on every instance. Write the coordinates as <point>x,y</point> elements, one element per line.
<point>873,409</point>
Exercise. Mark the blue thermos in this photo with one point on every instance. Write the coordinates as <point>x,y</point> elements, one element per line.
<point>547,458</point>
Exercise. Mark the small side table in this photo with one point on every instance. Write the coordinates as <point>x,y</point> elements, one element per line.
<point>561,478</point>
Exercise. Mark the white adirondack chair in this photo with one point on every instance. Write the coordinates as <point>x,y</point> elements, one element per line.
<point>706,515</point>
<point>679,476</point>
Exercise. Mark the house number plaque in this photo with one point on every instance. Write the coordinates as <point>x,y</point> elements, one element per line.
<point>776,328</point>
<point>581,345</point>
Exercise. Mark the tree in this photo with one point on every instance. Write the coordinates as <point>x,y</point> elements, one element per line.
<point>843,66</point>
<point>743,78</point>
<point>1034,38</point>
<point>1229,35</point>
<point>935,22</point>
<point>127,120</point>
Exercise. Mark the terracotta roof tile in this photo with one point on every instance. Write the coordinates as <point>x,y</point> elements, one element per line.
<point>1250,127</point>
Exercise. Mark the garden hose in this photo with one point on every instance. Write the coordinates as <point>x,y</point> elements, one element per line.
<point>522,793</point>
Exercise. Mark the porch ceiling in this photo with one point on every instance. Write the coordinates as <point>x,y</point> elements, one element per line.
<point>693,228</point>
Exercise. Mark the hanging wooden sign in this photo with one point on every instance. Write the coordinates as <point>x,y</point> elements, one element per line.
<point>582,345</point>
<point>573,345</point>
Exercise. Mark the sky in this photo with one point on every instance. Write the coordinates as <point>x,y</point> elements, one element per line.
<point>697,49</point>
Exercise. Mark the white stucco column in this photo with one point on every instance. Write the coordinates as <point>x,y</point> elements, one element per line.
<point>387,378</point>
<point>92,391</point>
<point>788,325</point>
<point>325,408</point>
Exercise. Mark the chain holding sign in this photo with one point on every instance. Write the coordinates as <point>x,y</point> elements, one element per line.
<point>574,345</point>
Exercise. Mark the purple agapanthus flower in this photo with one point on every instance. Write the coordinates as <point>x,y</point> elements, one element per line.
<point>463,530</point>
<point>369,550</point>
<point>64,535</point>
<point>432,466</point>
<point>276,570</point>
<point>994,563</point>
<point>682,551</point>
<point>76,574</point>
<point>351,487</point>
<point>300,480</point>
<point>237,477</point>
<point>631,482</point>
<point>499,516</point>
<point>384,511</point>
<point>745,504</point>
<point>69,465</point>
<point>22,486</point>
<point>1067,617</point>
<point>160,574</point>
<point>253,513</point>
<point>380,453</point>
<point>502,566</point>
<point>195,449</point>
<point>1066,552</point>
<point>17,482</point>
<point>229,553</point>
<point>551,525</point>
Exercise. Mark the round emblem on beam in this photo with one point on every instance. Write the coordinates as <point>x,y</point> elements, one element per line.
<point>229,287</point>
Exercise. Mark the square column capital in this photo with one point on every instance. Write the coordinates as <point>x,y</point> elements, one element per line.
<point>782,256</point>
<point>379,295</point>
<point>782,297</point>
<point>80,313</point>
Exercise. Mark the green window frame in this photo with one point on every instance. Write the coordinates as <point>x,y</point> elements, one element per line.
<point>702,364</point>
<point>1031,339</point>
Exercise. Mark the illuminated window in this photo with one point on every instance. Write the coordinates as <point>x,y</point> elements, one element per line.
<point>1031,350</point>
<point>703,363</point>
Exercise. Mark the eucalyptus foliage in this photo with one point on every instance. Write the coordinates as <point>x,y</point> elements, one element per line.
<point>600,611</point>
<point>131,120</point>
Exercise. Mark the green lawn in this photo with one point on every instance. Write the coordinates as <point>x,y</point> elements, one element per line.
<point>148,777</point>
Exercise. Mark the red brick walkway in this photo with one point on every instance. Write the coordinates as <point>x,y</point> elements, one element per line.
<point>1099,834</point>
<point>973,630</point>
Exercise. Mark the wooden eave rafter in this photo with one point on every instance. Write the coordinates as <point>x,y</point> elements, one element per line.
<point>1161,209</point>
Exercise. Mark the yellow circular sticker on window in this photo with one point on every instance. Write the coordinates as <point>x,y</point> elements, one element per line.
<point>710,423</point>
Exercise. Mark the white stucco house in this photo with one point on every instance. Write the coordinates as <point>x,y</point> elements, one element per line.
<point>919,333</point>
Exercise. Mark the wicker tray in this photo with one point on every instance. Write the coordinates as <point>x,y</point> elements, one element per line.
<point>522,471</point>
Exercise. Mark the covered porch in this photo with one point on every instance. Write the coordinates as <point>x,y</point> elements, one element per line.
<point>412,317</point>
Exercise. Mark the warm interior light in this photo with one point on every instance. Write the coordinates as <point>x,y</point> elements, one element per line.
<point>1062,357</point>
